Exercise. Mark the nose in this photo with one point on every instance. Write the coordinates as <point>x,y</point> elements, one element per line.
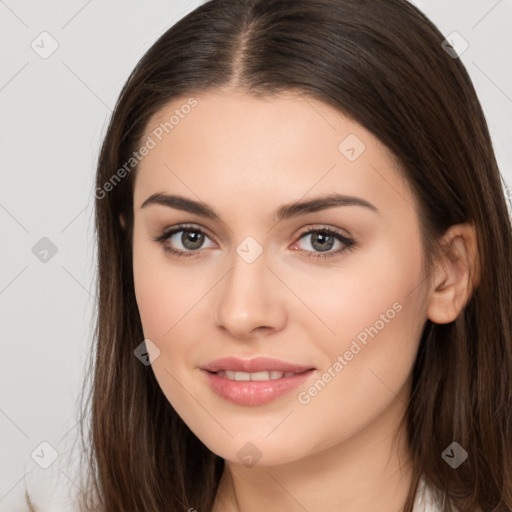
<point>251,299</point>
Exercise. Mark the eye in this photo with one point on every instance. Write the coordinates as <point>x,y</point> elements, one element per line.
<point>191,239</point>
<point>323,239</point>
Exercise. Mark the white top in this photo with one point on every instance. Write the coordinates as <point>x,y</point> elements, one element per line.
<point>425,500</point>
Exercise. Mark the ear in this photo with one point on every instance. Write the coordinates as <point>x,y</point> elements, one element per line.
<point>456,276</point>
<point>122,221</point>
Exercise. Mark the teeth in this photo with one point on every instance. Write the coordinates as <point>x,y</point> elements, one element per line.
<point>240,376</point>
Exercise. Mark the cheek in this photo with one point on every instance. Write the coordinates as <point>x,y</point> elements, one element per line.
<point>377,312</point>
<point>163,300</point>
<point>384,313</point>
<point>164,292</point>
<point>363,291</point>
<point>150,290</point>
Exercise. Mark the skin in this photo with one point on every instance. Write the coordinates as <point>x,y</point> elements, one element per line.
<point>245,157</point>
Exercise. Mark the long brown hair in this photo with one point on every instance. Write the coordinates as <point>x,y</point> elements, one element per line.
<point>382,64</point>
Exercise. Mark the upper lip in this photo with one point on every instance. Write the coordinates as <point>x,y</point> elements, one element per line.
<point>257,364</point>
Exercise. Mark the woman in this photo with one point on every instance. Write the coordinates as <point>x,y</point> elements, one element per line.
<point>304,271</point>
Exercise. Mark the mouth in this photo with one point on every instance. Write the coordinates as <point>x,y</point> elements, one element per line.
<point>255,381</point>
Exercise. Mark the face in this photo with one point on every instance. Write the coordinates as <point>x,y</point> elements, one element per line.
<point>329,294</point>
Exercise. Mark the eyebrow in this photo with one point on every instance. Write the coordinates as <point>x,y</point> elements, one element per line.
<point>284,212</point>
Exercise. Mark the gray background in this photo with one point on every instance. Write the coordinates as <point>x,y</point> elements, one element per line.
<point>54,113</point>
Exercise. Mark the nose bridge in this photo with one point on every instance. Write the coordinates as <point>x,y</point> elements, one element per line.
<point>248,299</point>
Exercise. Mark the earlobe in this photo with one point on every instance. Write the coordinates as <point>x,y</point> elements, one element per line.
<point>457,275</point>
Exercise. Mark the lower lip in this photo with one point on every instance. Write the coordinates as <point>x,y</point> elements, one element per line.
<point>249,392</point>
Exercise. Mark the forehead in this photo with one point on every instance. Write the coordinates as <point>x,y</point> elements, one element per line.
<point>233,146</point>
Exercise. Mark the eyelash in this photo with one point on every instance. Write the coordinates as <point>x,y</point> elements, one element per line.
<point>350,244</point>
